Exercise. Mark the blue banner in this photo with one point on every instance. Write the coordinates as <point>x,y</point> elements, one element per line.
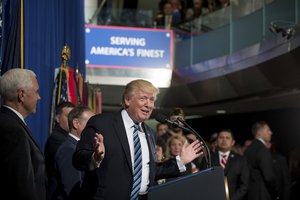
<point>123,47</point>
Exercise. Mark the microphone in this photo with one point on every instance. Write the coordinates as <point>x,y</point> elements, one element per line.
<point>207,155</point>
<point>163,119</point>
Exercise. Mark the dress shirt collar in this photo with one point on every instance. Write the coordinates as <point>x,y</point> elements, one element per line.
<point>260,139</point>
<point>74,136</point>
<point>128,122</point>
<point>224,153</point>
<point>16,112</point>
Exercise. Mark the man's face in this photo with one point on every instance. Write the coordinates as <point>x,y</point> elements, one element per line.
<point>62,119</point>
<point>168,9</point>
<point>30,97</point>
<point>83,120</point>
<point>162,129</point>
<point>225,141</point>
<point>265,133</point>
<point>140,105</point>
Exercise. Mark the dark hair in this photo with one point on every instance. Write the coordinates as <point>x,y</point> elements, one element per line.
<point>76,113</point>
<point>258,125</point>
<point>227,130</point>
<point>158,125</point>
<point>62,105</point>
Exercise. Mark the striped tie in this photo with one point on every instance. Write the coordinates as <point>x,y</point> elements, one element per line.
<point>137,172</point>
<point>224,161</point>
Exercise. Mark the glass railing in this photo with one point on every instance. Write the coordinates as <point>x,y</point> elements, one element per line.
<point>222,32</point>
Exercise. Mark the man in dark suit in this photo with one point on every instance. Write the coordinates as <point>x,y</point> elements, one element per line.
<point>22,162</point>
<point>108,156</point>
<point>235,166</point>
<point>167,18</point>
<point>69,177</point>
<point>57,137</point>
<point>262,184</point>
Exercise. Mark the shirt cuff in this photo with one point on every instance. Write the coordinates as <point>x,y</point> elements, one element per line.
<point>180,165</point>
<point>94,164</point>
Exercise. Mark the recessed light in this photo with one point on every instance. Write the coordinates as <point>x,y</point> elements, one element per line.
<point>221,111</point>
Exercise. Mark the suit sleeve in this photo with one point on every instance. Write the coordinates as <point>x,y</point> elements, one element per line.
<point>68,174</point>
<point>267,170</point>
<point>84,149</point>
<point>243,181</point>
<point>167,169</point>
<point>21,163</point>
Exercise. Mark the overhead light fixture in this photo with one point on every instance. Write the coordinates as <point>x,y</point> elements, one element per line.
<point>221,111</point>
<point>287,29</point>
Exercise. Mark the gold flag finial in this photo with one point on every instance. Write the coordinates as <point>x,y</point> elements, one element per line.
<point>65,55</point>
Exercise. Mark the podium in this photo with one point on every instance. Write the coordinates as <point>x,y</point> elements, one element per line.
<point>207,184</point>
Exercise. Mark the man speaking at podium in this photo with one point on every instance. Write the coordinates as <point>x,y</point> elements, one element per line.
<point>117,150</point>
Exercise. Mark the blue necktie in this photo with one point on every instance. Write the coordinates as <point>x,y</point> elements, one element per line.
<point>137,167</point>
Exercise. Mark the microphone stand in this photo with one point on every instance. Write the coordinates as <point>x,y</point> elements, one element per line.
<point>207,155</point>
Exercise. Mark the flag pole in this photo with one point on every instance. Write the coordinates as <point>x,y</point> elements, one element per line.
<point>22,34</point>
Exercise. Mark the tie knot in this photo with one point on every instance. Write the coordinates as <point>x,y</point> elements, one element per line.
<point>136,127</point>
<point>224,156</point>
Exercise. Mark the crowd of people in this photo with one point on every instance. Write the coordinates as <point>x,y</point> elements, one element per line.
<point>174,12</point>
<point>87,156</point>
<point>118,156</point>
<point>253,171</point>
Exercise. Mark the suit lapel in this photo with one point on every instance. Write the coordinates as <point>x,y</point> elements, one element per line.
<point>121,134</point>
<point>230,160</point>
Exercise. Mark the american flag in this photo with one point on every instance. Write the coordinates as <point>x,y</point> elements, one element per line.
<point>62,83</point>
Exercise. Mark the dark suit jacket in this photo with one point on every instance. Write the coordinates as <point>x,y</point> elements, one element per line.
<point>22,162</point>
<point>57,137</point>
<point>237,173</point>
<point>69,177</point>
<point>262,184</point>
<point>113,179</point>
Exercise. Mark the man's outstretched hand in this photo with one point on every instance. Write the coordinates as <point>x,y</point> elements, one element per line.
<point>191,151</point>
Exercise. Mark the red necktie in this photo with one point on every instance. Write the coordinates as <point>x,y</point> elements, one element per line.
<point>223,160</point>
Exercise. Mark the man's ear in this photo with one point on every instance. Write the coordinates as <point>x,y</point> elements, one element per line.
<point>57,118</point>
<point>75,123</point>
<point>233,143</point>
<point>20,95</point>
<point>126,101</point>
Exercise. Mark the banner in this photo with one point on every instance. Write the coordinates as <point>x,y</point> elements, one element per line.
<point>117,55</point>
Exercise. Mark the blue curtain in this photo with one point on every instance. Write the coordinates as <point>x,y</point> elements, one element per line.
<point>10,41</point>
<point>49,24</point>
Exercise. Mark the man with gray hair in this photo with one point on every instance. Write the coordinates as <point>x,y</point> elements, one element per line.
<point>22,162</point>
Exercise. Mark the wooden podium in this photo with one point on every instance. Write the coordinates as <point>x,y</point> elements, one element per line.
<point>207,184</point>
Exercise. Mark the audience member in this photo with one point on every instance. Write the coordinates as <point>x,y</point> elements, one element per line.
<point>57,137</point>
<point>246,145</point>
<point>213,142</point>
<point>282,173</point>
<point>178,8</point>
<point>68,177</point>
<point>196,11</point>
<point>160,155</point>
<point>161,129</point>
<point>262,185</point>
<point>174,147</point>
<point>237,148</point>
<point>294,161</point>
<point>109,156</point>
<point>161,134</point>
<point>167,19</point>
<point>235,166</point>
<point>22,161</point>
<point>194,16</point>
